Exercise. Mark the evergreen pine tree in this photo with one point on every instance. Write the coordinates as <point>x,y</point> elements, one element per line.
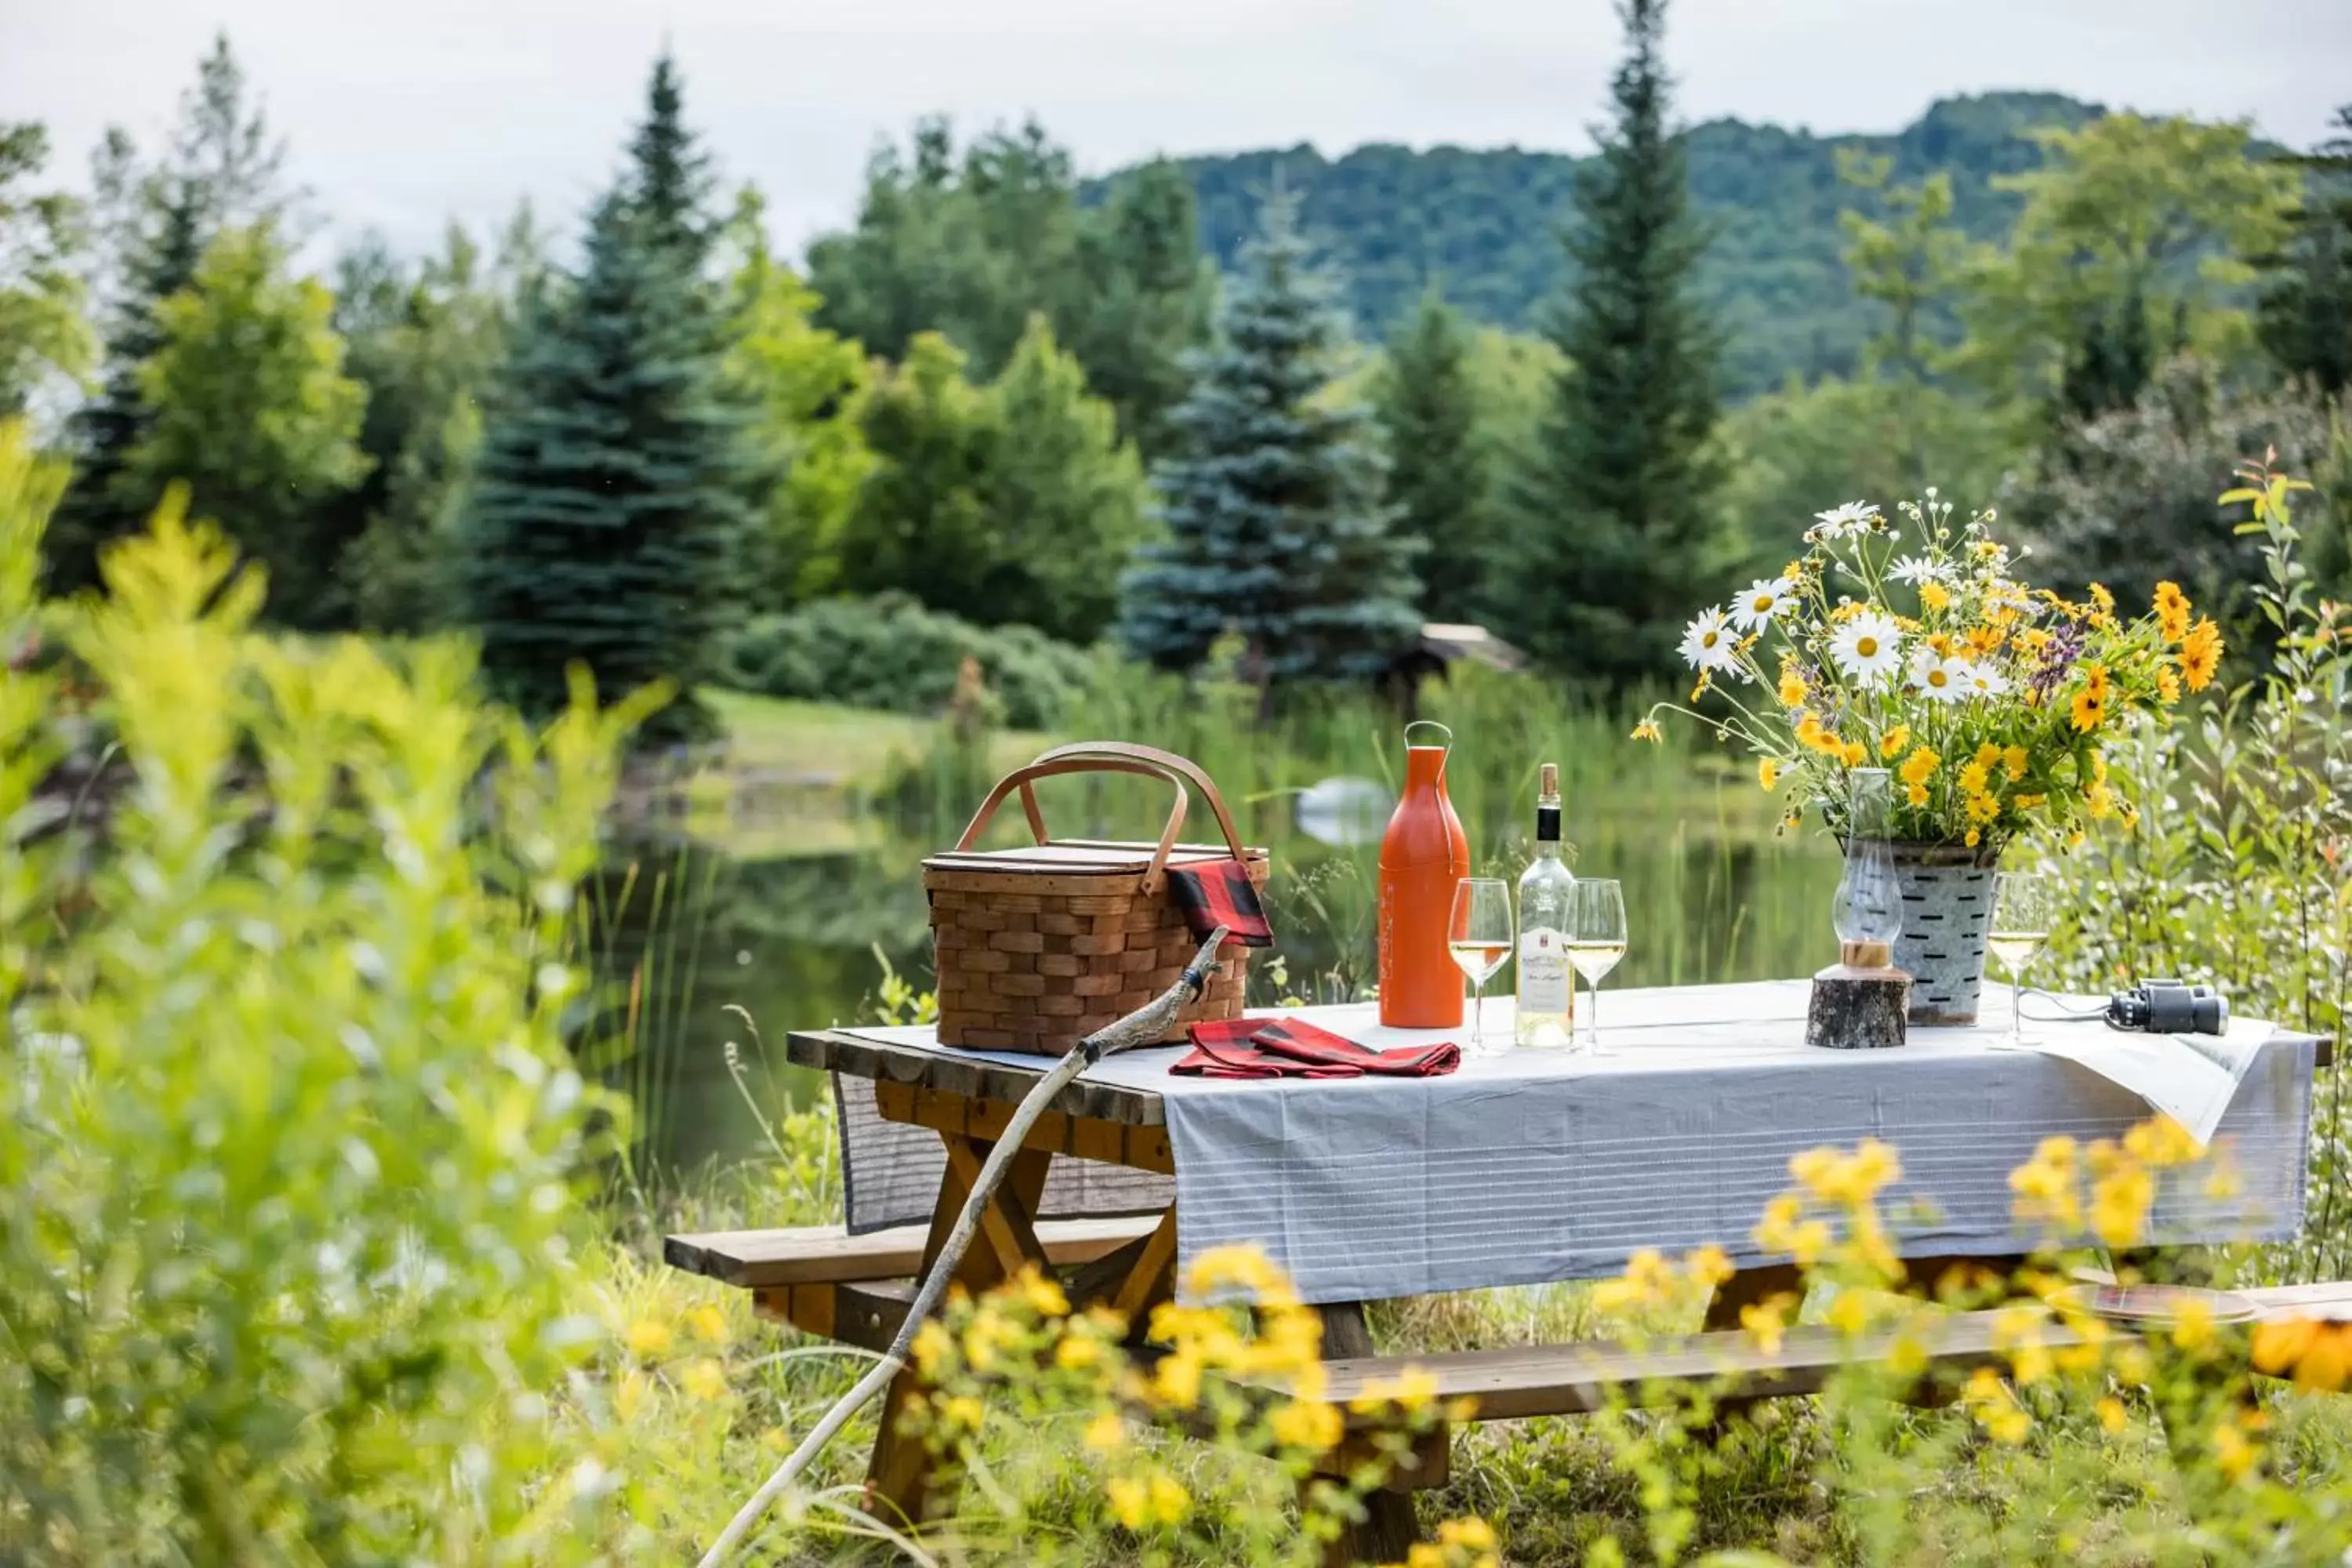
<point>1275,527</point>
<point>608,512</point>
<point>223,170</point>
<point>2305,317</point>
<point>1612,522</point>
<point>1428,406</point>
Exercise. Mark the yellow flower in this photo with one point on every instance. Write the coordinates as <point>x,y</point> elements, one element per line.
<point>2162,1141</point>
<point>2029,801</point>
<point>1106,1433</point>
<point>964,1410</point>
<point>2232,1451</point>
<point>2119,1205</point>
<point>1985,641</point>
<point>710,1323</point>
<point>1767,1322</point>
<point>1933,596</point>
<point>1792,687</point>
<point>1915,794</point>
<point>932,1345</point>
<point>2009,1425</point>
<point>1768,773</point>
<point>1130,1501</point>
<point>2279,1343</point>
<point>1974,777</point>
<point>2172,610</point>
<point>1975,836</point>
<point>1919,766</point>
<point>1895,739</point>
<point>2094,677</point>
<point>631,1393</point>
<point>1169,1501</point>
<point>2013,763</point>
<point>2193,1329</point>
<point>1850,1313</point>
<point>2101,597</point>
<point>2111,1414</point>
<point>1077,1353</point>
<point>648,1339</point>
<point>1177,1380</point>
<point>2168,684</point>
<point>1855,753</point>
<point>2090,709</point>
<point>1474,1533</point>
<point>1983,809</point>
<point>2200,655</point>
<point>705,1379</point>
<point>1707,1267</point>
<point>1412,1390</point>
<point>1647,731</point>
<point>1303,1423</point>
<point>1043,1296</point>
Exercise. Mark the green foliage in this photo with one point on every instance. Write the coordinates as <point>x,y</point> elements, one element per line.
<point>289,1145</point>
<point>2133,243</point>
<point>1613,515</point>
<point>2124,499</point>
<point>1276,530</point>
<point>154,222</point>
<point>969,247</point>
<point>1063,496</point>
<point>253,411</point>
<point>426,343</point>
<point>2304,314</point>
<point>1481,223</point>
<point>1795,452</point>
<point>806,385</point>
<point>44,337</point>
<point>889,652</point>
<point>2233,870</point>
<point>1011,504</point>
<point>609,517</point>
<point>1427,397</point>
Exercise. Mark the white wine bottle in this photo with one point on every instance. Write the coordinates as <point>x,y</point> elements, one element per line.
<point>1547,999</point>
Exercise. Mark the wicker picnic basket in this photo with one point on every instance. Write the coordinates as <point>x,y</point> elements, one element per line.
<point>1038,947</point>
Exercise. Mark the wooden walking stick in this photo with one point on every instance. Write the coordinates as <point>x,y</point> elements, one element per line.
<point>1144,1026</point>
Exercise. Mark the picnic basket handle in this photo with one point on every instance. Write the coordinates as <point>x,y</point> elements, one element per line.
<point>1115,757</point>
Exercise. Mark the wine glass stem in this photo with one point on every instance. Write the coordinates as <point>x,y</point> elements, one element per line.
<point>1477,1016</point>
<point>2017,1006</point>
<point>1593,1015</point>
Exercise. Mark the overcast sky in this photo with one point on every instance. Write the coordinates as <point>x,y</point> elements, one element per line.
<point>404,112</point>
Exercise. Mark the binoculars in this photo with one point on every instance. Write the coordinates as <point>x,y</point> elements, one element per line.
<point>2170,1007</point>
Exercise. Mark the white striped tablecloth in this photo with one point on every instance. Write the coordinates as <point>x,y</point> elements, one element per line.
<point>1537,1166</point>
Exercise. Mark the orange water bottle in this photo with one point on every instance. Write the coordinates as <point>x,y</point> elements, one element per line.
<point>1422,855</point>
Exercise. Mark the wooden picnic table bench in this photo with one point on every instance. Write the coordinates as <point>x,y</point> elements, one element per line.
<point>857,1289</point>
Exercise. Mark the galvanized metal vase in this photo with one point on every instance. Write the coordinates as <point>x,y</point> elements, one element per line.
<point>1948,891</point>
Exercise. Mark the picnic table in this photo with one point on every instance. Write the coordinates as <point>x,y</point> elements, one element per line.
<point>1525,1167</point>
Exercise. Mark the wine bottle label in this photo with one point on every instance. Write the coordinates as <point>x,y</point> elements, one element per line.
<point>1543,971</point>
<point>1547,824</point>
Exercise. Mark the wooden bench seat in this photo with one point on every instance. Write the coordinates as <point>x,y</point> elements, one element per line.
<point>1519,1382</point>
<point>828,1255</point>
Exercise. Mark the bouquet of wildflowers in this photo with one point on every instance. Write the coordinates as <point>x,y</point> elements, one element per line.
<point>1911,646</point>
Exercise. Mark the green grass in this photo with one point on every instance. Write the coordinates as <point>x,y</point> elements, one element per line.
<point>824,743</point>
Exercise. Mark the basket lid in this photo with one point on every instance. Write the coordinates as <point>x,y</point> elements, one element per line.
<point>1080,856</point>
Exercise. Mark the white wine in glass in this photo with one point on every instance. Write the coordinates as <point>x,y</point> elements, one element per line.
<point>1479,938</point>
<point>1596,941</point>
<point>2021,924</point>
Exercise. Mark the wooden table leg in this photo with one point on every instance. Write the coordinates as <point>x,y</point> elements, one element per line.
<point>901,1479</point>
<point>1388,1531</point>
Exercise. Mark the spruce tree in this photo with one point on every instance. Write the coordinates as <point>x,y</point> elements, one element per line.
<point>1428,406</point>
<point>223,170</point>
<point>1275,528</point>
<point>608,513</point>
<point>1612,522</point>
<point>2305,317</point>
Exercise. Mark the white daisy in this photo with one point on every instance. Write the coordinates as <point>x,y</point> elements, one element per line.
<point>1868,648</point>
<point>1853,517</point>
<point>1766,597</point>
<point>1916,570</point>
<point>1985,681</point>
<point>1708,642</point>
<point>1941,679</point>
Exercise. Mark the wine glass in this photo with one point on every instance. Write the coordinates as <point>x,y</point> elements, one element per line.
<point>2020,923</point>
<point>1479,939</point>
<point>1596,941</point>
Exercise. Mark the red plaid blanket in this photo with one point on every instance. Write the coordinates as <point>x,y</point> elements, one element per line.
<point>1219,893</point>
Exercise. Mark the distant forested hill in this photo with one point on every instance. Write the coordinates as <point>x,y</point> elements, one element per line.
<point>1483,223</point>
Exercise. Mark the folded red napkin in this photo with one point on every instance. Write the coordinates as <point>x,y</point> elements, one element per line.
<point>1293,1047</point>
<point>1215,893</point>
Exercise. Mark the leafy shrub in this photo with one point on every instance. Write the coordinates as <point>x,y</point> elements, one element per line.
<point>891,653</point>
<point>289,1144</point>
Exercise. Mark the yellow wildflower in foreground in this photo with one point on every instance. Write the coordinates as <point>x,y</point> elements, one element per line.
<point>2172,611</point>
<point>1919,766</point>
<point>1768,773</point>
<point>2200,655</point>
<point>648,1339</point>
<point>1413,1390</point>
<point>1106,1433</point>
<point>1647,731</point>
<point>1891,744</point>
<point>1306,1424</point>
<point>1792,687</point>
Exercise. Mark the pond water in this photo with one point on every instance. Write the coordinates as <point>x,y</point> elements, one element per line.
<point>767,913</point>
